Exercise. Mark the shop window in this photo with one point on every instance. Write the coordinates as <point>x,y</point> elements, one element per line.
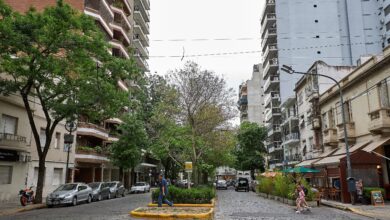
<point>5,175</point>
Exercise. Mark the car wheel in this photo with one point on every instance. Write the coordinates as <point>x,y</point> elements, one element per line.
<point>74,201</point>
<point>99,197</point>
<point>89,200</point>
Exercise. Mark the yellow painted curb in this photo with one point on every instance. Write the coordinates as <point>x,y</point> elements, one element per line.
<point>208,205</point>
<point>207,215</point>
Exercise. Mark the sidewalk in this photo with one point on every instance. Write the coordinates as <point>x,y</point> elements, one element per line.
<point>14,207</point>
<point>376,212</point>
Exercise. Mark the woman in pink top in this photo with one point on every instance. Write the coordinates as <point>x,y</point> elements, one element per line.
<point>300,200</point>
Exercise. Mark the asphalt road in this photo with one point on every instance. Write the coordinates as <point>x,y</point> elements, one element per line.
<point>114,209</point>
<point>248,205</point>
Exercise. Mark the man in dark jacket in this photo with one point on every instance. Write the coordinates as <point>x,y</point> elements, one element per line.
<point>162,197</point>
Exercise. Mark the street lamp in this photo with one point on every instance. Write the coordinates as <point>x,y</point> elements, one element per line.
<point>289,70</point>
<point>70,126</point>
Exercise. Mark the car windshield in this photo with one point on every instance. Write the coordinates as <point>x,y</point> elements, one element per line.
<point>111,184</point>
<point>221,181</point>
<point>66,187</point>
<point>140,184</point>
<point>94,185</point>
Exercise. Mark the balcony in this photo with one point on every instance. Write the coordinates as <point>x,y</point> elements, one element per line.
<point>274,146</point>
<point>121,5</point>
<point>244,115</point>
<point>141,41</point>
<point>269,20</point>
<point>272,83</point>
<point>101,12</point>
<point>91,154</point>
<point>290,138</point>
<point>380,121</point>
<point>146,4</point>
<point>271,98</point>
<point>120,15</point>
<point>270,52</point>
<point>273,112</point>
<point>270,67</point>
<point>291,159</point>
<point>273,129</point>
<point>13,141</point>
<point>269,7</point>
<point>243,100</point>
<point>269,37</point>
<point>330,137</point>
<point>139,6</point>
<point>140,21</point>
<point>89,129</point>
<point>118,45</point>
<point>312,95</point>
<point>350,132</point>
<point>141,62</point>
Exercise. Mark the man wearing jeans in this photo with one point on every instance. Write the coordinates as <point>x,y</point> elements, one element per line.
<point>163,192</point>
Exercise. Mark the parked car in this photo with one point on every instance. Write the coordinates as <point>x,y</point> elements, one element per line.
<point>183,183</point>
<point>100,191</point>
<point>116,189</point>
<point>253,185</point>
<point>140,187</point>
<point>221,184</point>
<point>242,184</point>
<point>71,193</point>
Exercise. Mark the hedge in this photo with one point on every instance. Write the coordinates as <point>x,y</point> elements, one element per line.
<point>367,192</point>
<point>195,195</point>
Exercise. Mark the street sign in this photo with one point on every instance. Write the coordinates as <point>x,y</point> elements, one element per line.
<point>188,166</point>
<point>68,138</point>
<point>67,147</point>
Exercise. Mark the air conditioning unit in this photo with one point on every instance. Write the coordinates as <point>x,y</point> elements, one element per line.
<point>316,123</point>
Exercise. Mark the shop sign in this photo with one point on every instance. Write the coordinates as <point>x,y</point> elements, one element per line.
<point>8,155</point>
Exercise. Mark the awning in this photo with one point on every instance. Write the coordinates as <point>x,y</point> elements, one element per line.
<point>307,162</point>
<point>329,160</point>
<point>374,145</point>
<point>357,146</point>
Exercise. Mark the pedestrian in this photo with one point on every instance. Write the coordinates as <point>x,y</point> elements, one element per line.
<point>162,197</point>
<point>301,201</point>
<point>359,190</point>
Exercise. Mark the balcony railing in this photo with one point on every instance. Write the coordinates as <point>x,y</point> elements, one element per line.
<point>90,129</point>
<point>266,22</point>
<point>273,129</point>
<point>273,80</point>
<point>330,136</point>
<point>379,121</point>
<point>141,21</point>
<point>292,137</point>
<point>144,12</point>
<point>268,37</point>
<point>270,97</point>
<point>271,49</point>
<point>272,64</point>
<point>350,132</point>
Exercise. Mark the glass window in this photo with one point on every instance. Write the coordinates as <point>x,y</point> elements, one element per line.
<point>57,141</point>
<point>42,137</point>
<point>8,124</point>
<point>5,175</point>
<point>66,187</point>
<point>57,176</point>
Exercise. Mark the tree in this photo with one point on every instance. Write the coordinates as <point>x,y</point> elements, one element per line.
<point>126,153</point>
<point>52,56</point>
<point>205,104</point>
<point>250,150</point>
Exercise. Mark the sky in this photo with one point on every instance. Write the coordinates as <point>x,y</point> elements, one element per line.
<point>177,24</point>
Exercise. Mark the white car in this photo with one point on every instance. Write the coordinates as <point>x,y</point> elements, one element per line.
<point>140,187</point>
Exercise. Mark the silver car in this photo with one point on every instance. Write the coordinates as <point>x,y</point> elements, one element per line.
<point>69,194</point>
<point>100,191</point>
<point>116,189</point>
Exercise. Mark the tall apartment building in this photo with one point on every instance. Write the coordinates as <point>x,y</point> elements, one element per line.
<point>290,132</point>
<point>297,33</point>
<point>251,97</point>
<point>125,24</point>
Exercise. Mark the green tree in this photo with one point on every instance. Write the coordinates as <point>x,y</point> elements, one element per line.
<point>250,149</point>
<point>126,153</point>
<point>51,56</point>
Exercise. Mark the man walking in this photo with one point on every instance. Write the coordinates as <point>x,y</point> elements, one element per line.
<point>163,192</point>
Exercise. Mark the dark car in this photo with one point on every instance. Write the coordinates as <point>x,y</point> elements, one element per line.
<point>221,184</point>
<point>100,191</point>
<point>242,184</point>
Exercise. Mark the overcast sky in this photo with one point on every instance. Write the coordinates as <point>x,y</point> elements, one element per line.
<point>188,20</point>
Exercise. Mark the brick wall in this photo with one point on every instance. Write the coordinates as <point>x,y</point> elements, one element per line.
<point>24,5</point>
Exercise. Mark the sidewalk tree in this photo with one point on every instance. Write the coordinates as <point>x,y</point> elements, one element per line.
<point>205,104</point>
<point>51,56</point>
<point>126,153</point>
<point>250,147</point>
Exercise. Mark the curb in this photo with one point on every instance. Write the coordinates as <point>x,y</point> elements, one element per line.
<point>207,205</point>
<point>207,215</point>
<point>353,210</point>
<point>24,209</point>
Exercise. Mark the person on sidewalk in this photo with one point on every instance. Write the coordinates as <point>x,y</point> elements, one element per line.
<point>162,197</point>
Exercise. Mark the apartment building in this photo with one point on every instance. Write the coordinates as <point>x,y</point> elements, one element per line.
<point>19,160</point>
<point>298,33</point>
<point>125,24</point>
<point>242,102</point>
<point>290,132</point>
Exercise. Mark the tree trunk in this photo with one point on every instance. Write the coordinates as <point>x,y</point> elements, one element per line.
<point>121,174</point>
<point>41,179</point>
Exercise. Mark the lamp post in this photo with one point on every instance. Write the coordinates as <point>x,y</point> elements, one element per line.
<point>289,70</point>
<point>70,126</point>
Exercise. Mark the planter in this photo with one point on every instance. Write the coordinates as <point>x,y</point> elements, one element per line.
<point>312,203</point>
<point>291,202</point>
<point>271,196</point>
<point>277,198</point>
<point>264,195</point>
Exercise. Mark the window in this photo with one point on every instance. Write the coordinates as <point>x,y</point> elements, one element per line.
<point>8,124</point>
<point>57,176</point>
<point>5,175</point>
<point>318,36</point>
<point>387,10</point>
<point>387,26</point>
<point>325,121</point>
<point>57,141</point>
<point>318,52</point>
<point>42,137</point>
<point>315,6</point>
<point>316,21</point>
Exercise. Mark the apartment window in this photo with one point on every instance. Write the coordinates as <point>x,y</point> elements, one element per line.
<point>315,6</point>
<point>42,137</point>
<point>325,121</point>
<point>318,52</point>
<point>5,175</point>
<point>57,176</point>
<point>318,36</point>
<point>387,10</point>
<point>8,124</point>
<point>331,117</point>
<point>316,21</point>
<point>57,141</point>
<point>300,98</point>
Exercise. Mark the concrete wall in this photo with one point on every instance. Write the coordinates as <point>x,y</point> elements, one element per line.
<point>256,96</point>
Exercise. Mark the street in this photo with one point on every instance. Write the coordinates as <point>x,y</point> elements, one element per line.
<point>230,205</point>
<point>114,209</point>
<point>247,205</point>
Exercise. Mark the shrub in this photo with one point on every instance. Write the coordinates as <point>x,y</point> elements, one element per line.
<point>196,195</point>
<point>266,185</point>
<point>367,192</point>
<point>281,185</point>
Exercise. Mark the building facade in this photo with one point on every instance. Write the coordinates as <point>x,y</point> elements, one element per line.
<point>242,102</point>
<point>290,133</point>
<point>256,96</point>
<point>297,33</point>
